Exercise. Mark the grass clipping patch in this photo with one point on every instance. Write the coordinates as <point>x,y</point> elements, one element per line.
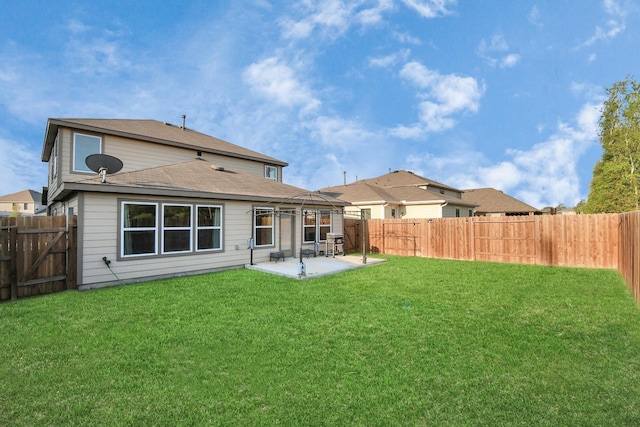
<point>410,342</point>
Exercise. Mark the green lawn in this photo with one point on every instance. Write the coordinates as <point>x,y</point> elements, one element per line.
<point>408,342</point>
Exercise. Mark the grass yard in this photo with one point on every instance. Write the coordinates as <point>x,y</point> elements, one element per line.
<point>408,342</point>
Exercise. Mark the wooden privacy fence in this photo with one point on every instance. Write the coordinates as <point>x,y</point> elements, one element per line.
<point>564,240</point>
<point>38,255</point>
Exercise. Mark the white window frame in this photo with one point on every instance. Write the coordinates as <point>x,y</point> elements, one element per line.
<point>257,227</point>
<point>305,226</point>
<point>268,169</point>
<point>54,159</point>
<point>189,228</point>
<point>84,167</point>
<point>124,229</point>
<point>317,215</point>
<point>208,227</point>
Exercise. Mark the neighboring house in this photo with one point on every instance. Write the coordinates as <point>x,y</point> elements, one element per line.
<point>401,194</point>
<point>492,202</point>
<point>183,203</point>
<point>27,202</point>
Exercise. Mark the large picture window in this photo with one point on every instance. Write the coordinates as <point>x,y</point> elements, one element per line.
<point>176,233</point>
<point>139,229</point>
<point>83,146</point>
<point>149,228</point>
<point>209,229</point>
<point>263,227</point>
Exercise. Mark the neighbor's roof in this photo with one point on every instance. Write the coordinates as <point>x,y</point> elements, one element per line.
<point>153,131</point>
<point>364,193</point>
<point>24,196</point>
<point>402,178</point>
<point>199,179</point>
<point>492,200</point>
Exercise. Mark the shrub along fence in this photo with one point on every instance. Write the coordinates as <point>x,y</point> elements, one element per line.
<point>591,241</point>
<point>37,255</point>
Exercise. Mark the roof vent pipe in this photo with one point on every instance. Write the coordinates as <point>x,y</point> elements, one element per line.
<point>345,177</point>
<point>184,118</point>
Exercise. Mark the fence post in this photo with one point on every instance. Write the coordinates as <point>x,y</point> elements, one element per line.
<point>13,253</point>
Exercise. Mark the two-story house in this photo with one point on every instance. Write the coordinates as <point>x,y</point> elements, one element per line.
<point>26,202</point>
<point>400,194</point>
<point>182,203</point>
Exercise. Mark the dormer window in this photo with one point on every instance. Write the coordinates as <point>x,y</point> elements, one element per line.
<point>84,146</point>
<point>271,172</point>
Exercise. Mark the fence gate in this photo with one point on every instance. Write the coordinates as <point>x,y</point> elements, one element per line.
<point>37,255</point>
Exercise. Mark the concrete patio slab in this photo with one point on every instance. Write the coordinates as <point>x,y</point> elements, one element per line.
<point>314,266</point>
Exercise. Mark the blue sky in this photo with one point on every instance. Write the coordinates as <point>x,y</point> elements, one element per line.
<point>504,94</point>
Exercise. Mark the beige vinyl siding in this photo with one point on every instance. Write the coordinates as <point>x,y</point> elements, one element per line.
<point>449,211</point>
<point>423,211</point>
<point>101,230</point>
<point>135,155</point>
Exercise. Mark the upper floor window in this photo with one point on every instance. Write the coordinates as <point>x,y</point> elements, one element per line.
<point>83,146</point>
<point>271,172</point>
<point>54,159</point>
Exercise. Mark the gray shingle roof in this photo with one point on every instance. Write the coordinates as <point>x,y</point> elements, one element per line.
<point>491,200</point>
<point>201,179</point>
<point>153,131</point>
<point>402,178</point>
<point>362,192</point>
<point>23,196</point>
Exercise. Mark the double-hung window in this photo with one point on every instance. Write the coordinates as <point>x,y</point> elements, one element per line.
<point>263,227</point>
<point>271,172</point>
<point>309,226</point>
<point>316,223</point>
<point>176,231</point>
<point>139,229</point>
<point>83,146</point>
<point>324,225</point>
<point>209,228</point>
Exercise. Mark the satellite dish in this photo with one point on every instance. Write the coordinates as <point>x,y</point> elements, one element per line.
<point>103,164</point>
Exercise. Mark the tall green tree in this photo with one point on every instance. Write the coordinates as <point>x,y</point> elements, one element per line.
<point>615,186</point>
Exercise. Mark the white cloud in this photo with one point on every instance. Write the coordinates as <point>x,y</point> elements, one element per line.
<point>495,52</point>
<point>534,17</point>
<point>430,8</point>
<point>389,60</point>
<point>510,60</point>
<point>617,12</point>
<point>407,38</point>
<point>278,82</point>
<point>445,95</point>
<point>332,17</point>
